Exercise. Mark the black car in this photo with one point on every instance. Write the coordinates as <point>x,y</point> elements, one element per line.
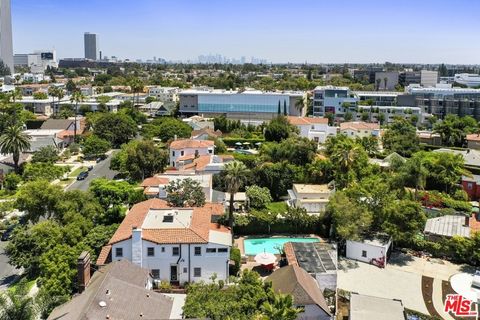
<point>83,175</point>
<point>6,234</point>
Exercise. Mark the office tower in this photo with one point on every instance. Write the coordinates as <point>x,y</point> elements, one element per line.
<point>91,45</point>
<point>6,47</point>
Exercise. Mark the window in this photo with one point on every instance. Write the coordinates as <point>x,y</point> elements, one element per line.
<point>175,251</point>
<point>182,153</point>
<point>211,250</point>
<point>163,249</point>
<point>197,272</point>
<point>168,218</point>
<point>198,251</point>
<point>364,253</point>
<point>470,186</point>
<point>155,273</point>
<point>210,151</point>
<point>119,252</point>
<point>185,270</point>
<point>173,153</point>
<point>222,250</point>
<point>150,251</point>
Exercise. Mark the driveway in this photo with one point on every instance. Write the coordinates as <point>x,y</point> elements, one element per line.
<point>391,283</point>
<point>8,273</point>
<point>100,170</point>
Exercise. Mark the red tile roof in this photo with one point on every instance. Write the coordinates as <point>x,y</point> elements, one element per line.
<point>188,143</point>
<point>104,256</point>
<point>296,121</point>
<point>198,232</point>
<point>473,137</point>
<point>359,125</point>
<point>154,181</point>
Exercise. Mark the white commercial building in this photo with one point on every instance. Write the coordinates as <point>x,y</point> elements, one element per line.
<point>470,80</point>
<point>163,94</point>
<point>316,129</point>
<point>428,78</point>
<point>178,245</point>
<point>37,61</point>
<point>333,100</point>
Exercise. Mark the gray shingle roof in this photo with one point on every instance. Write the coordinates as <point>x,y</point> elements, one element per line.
<point>62,124</point>
<point>364,307</point>
<point>121,287</point>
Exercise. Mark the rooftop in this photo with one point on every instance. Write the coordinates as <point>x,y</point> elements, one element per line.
<point>297,121</point>
<point>473,137</point>
<point>311,188</point>
<point>246,92</point>
<point>188,143</point>
<point>313,257</point>
<point>105,296</point>
<point>359,125</point>
<point>364,307</point>
<point>448,226</point>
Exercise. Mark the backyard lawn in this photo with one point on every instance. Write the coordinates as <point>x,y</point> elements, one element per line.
<point>278,207</point>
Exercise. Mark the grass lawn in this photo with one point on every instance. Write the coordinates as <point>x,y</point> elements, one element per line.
<point>278,207</point>
<point>77,171</point>
<point>64,183</point>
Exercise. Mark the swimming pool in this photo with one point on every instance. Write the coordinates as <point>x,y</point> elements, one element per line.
<point>254,246</point>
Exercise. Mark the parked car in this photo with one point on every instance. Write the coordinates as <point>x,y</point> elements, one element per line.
<point>90,168</point>
<point>7,233</point>
<point>82,176</point>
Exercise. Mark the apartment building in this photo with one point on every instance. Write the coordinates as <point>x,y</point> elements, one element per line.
<point>331,99</point>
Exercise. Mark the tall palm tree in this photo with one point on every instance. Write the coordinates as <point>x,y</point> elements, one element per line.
<point>280,308</point>
<point>377,82</point>
<point>385,80</point>
<point>235,176</point>
<point>16,304</point>
<point>77,97</point>
<point>56,92</point>
<point>14,141</point>
<point>136,86</point>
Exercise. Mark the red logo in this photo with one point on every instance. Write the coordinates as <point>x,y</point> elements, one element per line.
<point>460,306</point>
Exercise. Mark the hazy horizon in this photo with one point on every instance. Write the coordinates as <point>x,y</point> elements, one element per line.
<point>344,31</point>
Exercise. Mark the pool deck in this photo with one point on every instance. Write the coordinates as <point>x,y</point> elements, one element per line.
<point>238,242</point>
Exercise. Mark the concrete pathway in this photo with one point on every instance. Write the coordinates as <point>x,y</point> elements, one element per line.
<point>437,299</point>
<point>178,303</point>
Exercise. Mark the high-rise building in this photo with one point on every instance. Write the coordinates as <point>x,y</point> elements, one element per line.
<point>6,47</point>
<point>91,45</point>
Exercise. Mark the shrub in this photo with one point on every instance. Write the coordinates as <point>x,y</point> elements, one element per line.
<point>236,256</point>
<point>164,286</point>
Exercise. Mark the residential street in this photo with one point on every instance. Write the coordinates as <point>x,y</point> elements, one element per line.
<point>101,169</point>
<point>7,272</point>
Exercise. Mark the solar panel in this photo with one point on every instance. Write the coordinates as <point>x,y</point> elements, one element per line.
<point>314,257</point>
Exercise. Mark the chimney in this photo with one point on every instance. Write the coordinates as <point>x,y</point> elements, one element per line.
<point>175,137</point>
<point>137,245</point>
<point>83,268</point>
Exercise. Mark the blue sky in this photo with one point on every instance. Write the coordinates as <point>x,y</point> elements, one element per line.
<point>424,31</point>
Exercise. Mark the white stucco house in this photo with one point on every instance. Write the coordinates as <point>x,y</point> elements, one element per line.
<point>360,129</point>
<point>156,186</point>
<point>373,250</point>
<point>316,129</point>
<point>312,197</point>
<point>177,245</point>
<point>188,149</point>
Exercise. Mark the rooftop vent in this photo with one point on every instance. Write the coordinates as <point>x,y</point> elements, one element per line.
<point>102,304</point>
<point>168,218</point>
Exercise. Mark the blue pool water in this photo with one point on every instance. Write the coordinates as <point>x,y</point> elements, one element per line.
<point>254,246</point>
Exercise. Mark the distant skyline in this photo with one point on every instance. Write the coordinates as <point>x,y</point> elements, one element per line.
<point>341,31</point>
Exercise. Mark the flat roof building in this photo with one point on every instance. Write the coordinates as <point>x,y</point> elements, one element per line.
<point>90,42</point>
<point>243,105</point>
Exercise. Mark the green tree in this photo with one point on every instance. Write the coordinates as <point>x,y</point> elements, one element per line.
<point>279,308</point>
<point>235,176</point>
<point>258,197</point>
<point>404,220</point>
<point>277,177</point>
<point>140,159</point>
<point>370,144</point>
<point>77,97</point>
<point>56,92</point>
<point>136,86</point>
<point>350,218</point>
<point>27,244</point>
<point>16,304</point>
<point>48,154</point>
<point>14,141</point>
<point>40,95</point>
<point>43,171</point>
<point>166,129</point>
<point>115,128</point>
<point>38,199</point>
<point>453,129</point>
<point>278,129</point>
<point>348,116</point>
<point>113,193</point>
<point>185,193</point>
<point>298,151</point>
<point>93,146</point>
<point>401,137</point>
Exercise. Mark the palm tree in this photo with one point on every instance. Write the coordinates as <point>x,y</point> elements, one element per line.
<point>300,104</point>
<point>56,92</point>
<point>77,97</point>
<point>16,304</point>
<point>378,83</point>
<point>385,80</point>
<point>235,176</point>
<point>415,173</point>
<point>279,308</point>
<point>136,86</point>
<point>14,141</point>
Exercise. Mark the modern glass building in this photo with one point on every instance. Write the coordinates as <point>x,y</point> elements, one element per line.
<point>241,105</point>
